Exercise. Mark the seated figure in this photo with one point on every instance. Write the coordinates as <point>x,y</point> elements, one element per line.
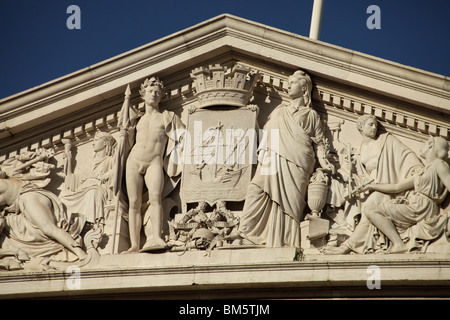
<point>381,158</point>
<point>91,196</point>
<point>416,216</point>
<point>421,208</point>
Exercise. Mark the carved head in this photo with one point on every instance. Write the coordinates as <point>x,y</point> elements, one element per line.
<point>104,140</point>
<point>152,91</point>
<point>437,145</point>
<point>300,84</point>
<point>367,125</point>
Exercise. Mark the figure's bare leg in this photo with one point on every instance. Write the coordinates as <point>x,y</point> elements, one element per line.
<point>135,184</point>
<point>39,210</point>
<point>154,180</point>
<point>387,227</point>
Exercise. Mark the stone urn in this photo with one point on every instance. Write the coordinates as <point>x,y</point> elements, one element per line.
<point>317,192</point>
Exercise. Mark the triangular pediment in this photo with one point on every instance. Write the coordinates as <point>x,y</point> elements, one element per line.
<point>60,120</point>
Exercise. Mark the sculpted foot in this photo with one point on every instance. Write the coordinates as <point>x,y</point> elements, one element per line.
<point>160,242</point>
<point>133,249</point>
<point>337,250</point>
<point>398,248</point>
<point>80,253</point>
<point>156,244</point>
<point>22,255</point>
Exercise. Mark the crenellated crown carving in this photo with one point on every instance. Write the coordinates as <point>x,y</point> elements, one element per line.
<point>221,85</point>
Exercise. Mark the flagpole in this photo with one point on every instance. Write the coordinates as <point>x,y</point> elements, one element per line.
<point>316,19</point>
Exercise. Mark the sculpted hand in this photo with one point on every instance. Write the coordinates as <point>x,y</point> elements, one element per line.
<point>192,109</point>
<point>104,178</point>
<point>332,168</point>
<point>328,167</point>
<point>253,107</point>
<point>122,132</point>
<point>369,187</point>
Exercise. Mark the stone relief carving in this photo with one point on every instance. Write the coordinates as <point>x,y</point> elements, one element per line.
<point>275,201</point>
<point>94,193</point>
<point>218,167</point>
<point>151,133</point>
<point>416,214</point>
<point>34,224</point>
<point>406,210</point>
<point>232,185</point>
<point>381,158</point>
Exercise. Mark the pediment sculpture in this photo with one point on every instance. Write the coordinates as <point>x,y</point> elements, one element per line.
<point>216,179</point>
<point>34,222</point>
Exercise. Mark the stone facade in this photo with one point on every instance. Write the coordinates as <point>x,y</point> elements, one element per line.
<point>228,157</point>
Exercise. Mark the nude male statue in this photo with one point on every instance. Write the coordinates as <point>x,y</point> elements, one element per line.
<point>145,165</point>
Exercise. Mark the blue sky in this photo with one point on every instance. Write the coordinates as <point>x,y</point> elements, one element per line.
<point>38,47</point>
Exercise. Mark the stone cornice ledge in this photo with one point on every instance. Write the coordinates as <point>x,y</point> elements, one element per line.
<point>318,272</point>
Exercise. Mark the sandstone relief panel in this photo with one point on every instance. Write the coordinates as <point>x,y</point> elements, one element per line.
<point>225,172</point>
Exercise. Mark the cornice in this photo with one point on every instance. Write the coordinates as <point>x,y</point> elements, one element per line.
<point>318,271</point>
